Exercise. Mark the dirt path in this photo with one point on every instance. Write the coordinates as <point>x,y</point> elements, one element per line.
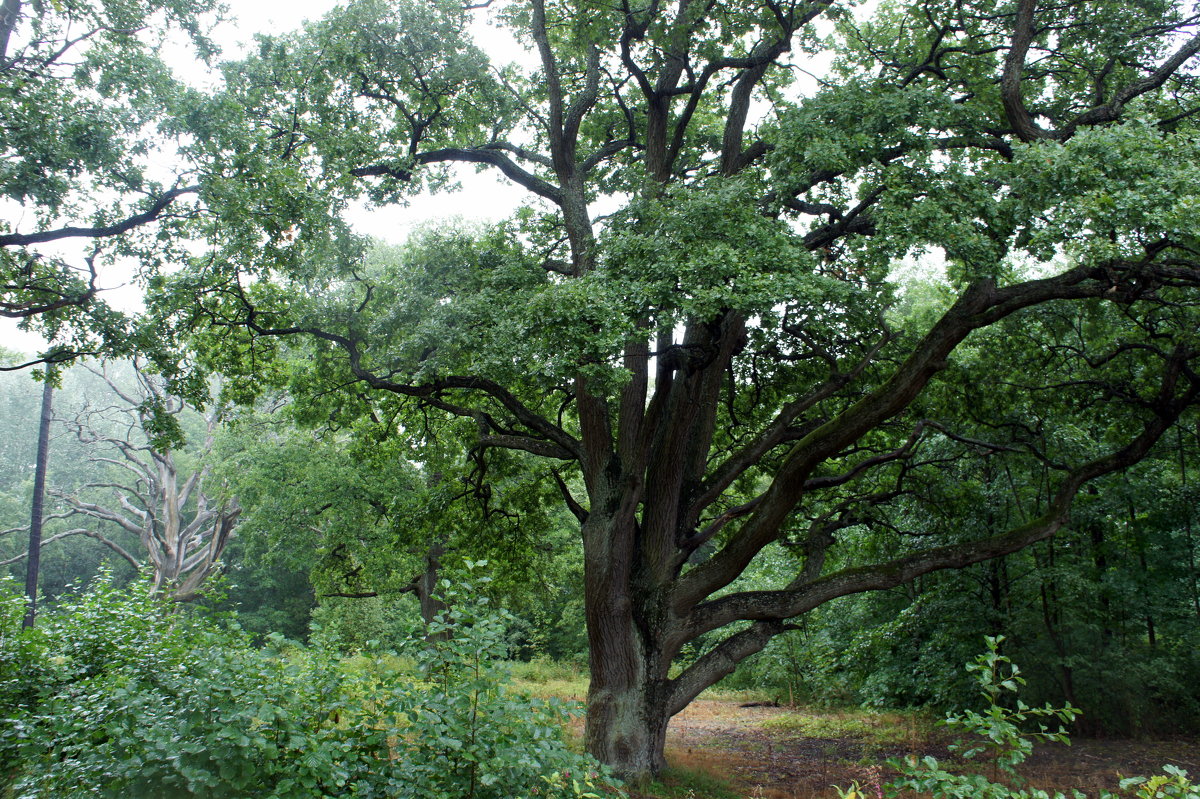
<point>773,753</point>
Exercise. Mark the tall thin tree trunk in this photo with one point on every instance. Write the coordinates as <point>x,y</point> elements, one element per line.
<point>1140,544</point>
<point>1095,532</point>
<point>1187,519</point>
<point>33,564</point>
<point>1052,619</point>
<point>10,13</point>
<point>997,584</point>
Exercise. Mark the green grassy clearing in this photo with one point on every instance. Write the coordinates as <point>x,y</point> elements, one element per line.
<point>881,729</point>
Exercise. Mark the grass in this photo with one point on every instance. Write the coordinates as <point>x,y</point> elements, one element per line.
<point>739,695</point>
<point>881,729</point>
<point>680,782</point>
<point>548,679</point>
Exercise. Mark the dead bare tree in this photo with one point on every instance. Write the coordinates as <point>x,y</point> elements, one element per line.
<point>182,529</point>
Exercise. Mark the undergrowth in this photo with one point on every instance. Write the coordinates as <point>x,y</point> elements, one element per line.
<point>118,694</point>
<point>881,729</point>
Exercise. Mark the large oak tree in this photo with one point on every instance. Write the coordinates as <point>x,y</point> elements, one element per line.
<point>721,365</point>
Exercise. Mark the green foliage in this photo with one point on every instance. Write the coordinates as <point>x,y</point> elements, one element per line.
<point>338,512</point>
<point>1173,784</point>
<point>85,109</point>
<point>471,736</point>
<point>997,733</point>
<point>794,408</point>
<point>1005,743</point>
<point>1104,614</point>
<point>363,623</point>
<point>117,694</point>
<point>541,670</point>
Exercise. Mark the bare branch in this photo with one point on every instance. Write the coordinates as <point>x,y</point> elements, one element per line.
<point>108,542</point>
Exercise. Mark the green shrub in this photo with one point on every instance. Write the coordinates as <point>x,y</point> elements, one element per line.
<point>472,737</point>
<point>117,694</point>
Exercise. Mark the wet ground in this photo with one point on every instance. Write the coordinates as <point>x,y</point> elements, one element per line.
<point>768,757</point>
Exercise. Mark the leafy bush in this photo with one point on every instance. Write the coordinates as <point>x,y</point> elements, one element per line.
<point>356,624</point>
<point>470,736</point>
<point>117,695</point>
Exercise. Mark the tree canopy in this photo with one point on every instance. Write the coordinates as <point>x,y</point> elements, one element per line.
<point>88,121</point>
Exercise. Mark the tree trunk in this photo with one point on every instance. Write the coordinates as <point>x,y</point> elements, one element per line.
<point>1100,577</point>
<point>424,585</point>
<point>33,565</point>
<point>10,14</point>
<point>627,711</point>
<point>1187,520</point>
<point>626,728</point>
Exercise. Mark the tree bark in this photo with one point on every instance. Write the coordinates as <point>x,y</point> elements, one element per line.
<point>10,13</point>
<point>626,727</point>
<point>33,565</point>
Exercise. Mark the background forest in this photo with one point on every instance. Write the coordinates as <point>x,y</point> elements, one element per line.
<point>1106,615</point>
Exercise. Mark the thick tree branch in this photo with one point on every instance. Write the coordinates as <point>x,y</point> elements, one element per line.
<point>802,596</point>
<point>427,392</point>
<point>544,448</point>
<point>577,510</point>
<point>733,157</point>
<point>776,433</point>
<point>10,14</point>
<point>981,305</point>
<point>490,154</point>
<point>904,451</point>
<point>719,662</point>
<point>156,209</point>
<point>1111,111</point>
<point>554,90</point>
<point>1014,64</point>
